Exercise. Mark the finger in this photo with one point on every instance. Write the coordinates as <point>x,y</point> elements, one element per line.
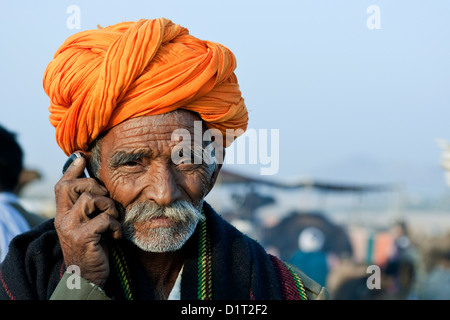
<point>90,185</point>
<point>85,208</point>
<point>70,190</point>
<point>89,204</point>
<point>104,223</point>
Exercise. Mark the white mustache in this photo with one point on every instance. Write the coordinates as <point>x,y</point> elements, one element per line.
<point>180,210</point>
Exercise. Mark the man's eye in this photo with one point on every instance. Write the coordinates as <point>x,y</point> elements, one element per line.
<point>183,158</point>
<point>184,162</point>
<point>188,164</point>
<point>186,159</point>
<point>131,164</point>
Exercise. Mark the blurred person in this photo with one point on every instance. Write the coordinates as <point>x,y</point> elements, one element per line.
<point>435,284</point>
<point>355,288</point>
<point>401,265</point>
<point>310,257</point>
<point>348,280</point>
<point>14,219</point>
<point>140,228</point>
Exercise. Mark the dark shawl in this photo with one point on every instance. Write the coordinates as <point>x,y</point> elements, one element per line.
<point>241,269</point>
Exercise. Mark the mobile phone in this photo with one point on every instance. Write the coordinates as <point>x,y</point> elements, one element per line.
<point>71,159</point>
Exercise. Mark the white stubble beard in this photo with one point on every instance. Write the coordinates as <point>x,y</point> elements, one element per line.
<point>161,239</point>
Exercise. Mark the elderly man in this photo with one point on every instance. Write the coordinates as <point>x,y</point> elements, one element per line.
<point>126,97</point>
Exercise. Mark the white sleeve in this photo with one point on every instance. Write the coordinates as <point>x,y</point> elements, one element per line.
<point>11,224</point>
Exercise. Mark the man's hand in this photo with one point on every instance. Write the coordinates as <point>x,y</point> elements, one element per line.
<point>83,214</point>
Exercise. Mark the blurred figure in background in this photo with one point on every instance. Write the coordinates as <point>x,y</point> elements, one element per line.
<point>436,282</point>
<point>310,257</point>
<point>14,219</point>
<point>401,265</point>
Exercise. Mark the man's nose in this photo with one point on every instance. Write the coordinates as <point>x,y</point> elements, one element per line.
<point>163,188</point>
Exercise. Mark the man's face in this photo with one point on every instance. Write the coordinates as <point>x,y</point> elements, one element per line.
<point>162,199</point>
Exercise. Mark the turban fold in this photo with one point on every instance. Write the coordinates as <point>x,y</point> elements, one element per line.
<point>100,78</point>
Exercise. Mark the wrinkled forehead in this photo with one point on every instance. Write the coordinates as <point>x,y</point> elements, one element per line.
<point>181,119</point>
<point>173,126</point>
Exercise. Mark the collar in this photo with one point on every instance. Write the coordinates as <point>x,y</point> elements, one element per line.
<point>175,293</point>
<point>8,197</point>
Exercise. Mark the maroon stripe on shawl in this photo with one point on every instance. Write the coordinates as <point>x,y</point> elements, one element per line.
<point>61,270</point>
<point>288,287</point>
<point>10,295</point>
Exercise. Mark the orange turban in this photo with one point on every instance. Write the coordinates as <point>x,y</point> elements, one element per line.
<point>100,78</point>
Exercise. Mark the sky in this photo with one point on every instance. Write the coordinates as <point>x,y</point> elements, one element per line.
<point>354,97</point>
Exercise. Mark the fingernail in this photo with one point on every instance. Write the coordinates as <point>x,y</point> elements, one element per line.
<point>77,162</point>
